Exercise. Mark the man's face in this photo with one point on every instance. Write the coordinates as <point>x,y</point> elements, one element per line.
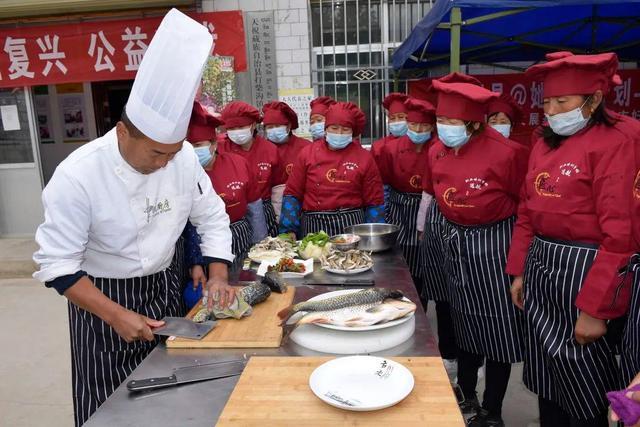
<point>144,154</point>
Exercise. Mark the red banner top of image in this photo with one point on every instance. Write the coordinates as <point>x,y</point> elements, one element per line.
<point>96,51</point>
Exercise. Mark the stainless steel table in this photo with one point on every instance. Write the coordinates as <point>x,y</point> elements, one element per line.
<point>200,404</point>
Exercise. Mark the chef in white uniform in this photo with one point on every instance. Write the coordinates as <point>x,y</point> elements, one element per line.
<point>114,210</point>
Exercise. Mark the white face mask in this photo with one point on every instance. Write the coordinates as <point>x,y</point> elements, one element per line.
<point>569,123</point>
<point>240,136</point>
<point>504,129</point>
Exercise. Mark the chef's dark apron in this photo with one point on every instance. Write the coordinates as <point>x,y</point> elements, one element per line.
<point>432,248</point>
<point>485,320</point>
<point>331,222</point>
<point>270,218</point>
<point>402,210</point>
<point>630,354</point>
<point>100,359</point>
<point>557,368</point>
<point>241,233</point>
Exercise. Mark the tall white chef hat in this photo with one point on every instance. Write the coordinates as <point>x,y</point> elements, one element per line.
<point>163,91</point>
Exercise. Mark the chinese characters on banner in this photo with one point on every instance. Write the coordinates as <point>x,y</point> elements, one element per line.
<point>260,27</point>
<point>624,98</point>
<point>96,51</point>
<point>299,100</point>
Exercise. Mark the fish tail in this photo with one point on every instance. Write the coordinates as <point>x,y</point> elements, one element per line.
<point>286,313</point>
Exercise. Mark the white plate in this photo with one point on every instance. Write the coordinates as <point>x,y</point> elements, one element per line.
<point>308,268</point>
<point>351,328</point>
<point>361,383</point>
<point>268,256</point>
<point>347,272</point>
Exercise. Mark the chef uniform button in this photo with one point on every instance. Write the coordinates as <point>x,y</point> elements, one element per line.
<point>118,170</point>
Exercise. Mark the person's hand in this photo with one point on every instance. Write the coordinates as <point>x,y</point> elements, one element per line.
<point>634,395</point>
<point>517,289</point>
<point>588,329</point>
<point>132,326</point>
<point>198,277</point>
<point>219,293</point>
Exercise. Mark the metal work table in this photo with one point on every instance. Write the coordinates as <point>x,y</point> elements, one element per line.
<point>200,404</point>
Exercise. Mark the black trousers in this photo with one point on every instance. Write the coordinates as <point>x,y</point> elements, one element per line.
<point>497,378</point>
<point>446,335</point>
<point>552,415</point>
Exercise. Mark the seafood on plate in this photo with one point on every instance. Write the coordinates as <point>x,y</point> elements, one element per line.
<point>275,282</point>
<point>346,260</point>
<point>364,296</point>
<point>361,315</point>
<point>287,265</point>
<point>272,248</point>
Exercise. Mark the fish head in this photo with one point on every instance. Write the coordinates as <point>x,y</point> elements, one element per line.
<point>393,293</point>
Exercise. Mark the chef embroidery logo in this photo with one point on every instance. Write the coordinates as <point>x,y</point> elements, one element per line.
<point>156,209</point>
<point>233,187</point>
<point>289,168</point>
<point>569,169</point>
<point>455,200</point>
<point>636,186</point>
<point>476,183</point>
<point>350,166</point>
<point>544,185</point>
<point>415,181</point>
<point>263,171</point>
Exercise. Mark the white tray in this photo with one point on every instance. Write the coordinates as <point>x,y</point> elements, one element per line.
<point>308,265</point>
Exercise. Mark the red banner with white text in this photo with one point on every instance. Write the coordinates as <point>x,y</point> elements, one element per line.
<point>96,51</point>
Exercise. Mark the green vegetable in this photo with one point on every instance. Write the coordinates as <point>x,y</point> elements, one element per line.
<point>318,239</point>
<point>287,237</point>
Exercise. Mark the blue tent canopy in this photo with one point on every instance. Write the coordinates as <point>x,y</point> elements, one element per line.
<point>494,31</point>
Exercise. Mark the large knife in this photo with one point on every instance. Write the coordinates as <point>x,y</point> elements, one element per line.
<point>190,374</point>
<point>186,328</point>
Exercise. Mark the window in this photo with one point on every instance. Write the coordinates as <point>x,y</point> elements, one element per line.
<point>15,137</point>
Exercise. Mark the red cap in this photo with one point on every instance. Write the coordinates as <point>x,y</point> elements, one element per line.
<point>394,103</point>
<point>568,74</point>
<point>279,113</point>
<point>419,111</point>
<point>507,105</point>
<point>346,114</point>
<point>463,101</point>
<point>321,104</point>
<point>202,126</point>
<point>239,114</point>
<point>456,77</point>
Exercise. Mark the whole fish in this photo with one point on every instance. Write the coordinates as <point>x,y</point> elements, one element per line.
<point>361,315</point>
<point>255,293</point>
<point>364,296</point>
<point>275,282</point>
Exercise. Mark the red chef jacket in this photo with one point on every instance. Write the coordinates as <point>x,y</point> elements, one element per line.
<point>326,180</point>
<point>579,192</point>
<point>480,185</point>
<point>235,183</point>
<point>401,167</point>
<point>262,159</point>
<point>378,145</point>
<point>287,154</point>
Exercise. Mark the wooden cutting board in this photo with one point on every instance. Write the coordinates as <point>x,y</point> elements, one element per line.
<point>274,391</point>
<point>259,330</point>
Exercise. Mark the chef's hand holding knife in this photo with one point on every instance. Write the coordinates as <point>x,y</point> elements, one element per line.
<point>132,326</point>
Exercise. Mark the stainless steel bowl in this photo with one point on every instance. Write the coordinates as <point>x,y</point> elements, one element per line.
<point>353,241</point>
<point>375,237</point>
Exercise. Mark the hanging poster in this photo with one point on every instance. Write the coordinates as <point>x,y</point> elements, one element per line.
<point>299,100</point>
<point>43,115</point>
<point>72,109</point>
<point>218,83</point>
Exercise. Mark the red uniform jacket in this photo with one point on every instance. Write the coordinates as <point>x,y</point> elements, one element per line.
<point>401,166</point>
<point>326,180</point>
<point>287,154</point>
<point>377,145</point>
<point>235,183</point>
<point>480,185</point>
<point>262,159</point>
<point>579,192</point>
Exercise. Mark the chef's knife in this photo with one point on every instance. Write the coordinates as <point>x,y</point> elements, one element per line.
<point>186,328</point>
<point>346,282</point>
<point>190,374</point>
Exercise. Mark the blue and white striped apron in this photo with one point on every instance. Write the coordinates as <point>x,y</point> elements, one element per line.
<point>331,222</point>
<point>270,218</point>
<point>402,210</point>
<point>432,256</point>
<point>241,232</point>
<point>557,368</point>
<point>630,353</point>
<point>485,320</point>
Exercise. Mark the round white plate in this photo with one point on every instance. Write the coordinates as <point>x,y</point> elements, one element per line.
<point>352,328</point>
<point>308,268</point>
<point>361,383</point>
<point>347,272</point>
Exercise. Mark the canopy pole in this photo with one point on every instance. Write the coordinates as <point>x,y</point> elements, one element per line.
<point>456,23</point>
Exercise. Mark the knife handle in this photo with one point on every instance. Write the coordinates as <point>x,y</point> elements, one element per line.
<point>151,383</point>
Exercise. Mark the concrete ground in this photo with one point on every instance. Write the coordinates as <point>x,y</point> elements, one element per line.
<point>35,364</point>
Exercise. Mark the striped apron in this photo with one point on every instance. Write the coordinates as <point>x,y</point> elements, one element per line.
<point>241,233</point>
<point>331,222</point>
<point>402,209</point>
<point>557,368</point>
<point>100,359</point>
<point>630,354</point>
<point>432,256</point>
<point>485,320</point>
<point>270,218</point>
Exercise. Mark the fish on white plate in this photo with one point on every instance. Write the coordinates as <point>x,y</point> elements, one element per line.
<point>361,315</point>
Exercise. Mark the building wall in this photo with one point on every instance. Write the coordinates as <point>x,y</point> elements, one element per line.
<point>292,36</point>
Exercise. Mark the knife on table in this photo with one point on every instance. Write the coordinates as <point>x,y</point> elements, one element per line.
<point>345,282</point>
<point>190,374</point>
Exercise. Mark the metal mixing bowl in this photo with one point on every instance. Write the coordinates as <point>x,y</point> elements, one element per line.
<point>375,237</point>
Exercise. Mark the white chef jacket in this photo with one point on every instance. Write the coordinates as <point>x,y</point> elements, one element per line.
<point>103,217</point>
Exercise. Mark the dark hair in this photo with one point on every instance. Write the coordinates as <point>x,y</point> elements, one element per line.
<point>471,129</point>
<point>133,130</point>
<point>599,116</point>
<point>498,112</point>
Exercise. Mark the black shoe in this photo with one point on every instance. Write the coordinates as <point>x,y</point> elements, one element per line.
<point>483,419</point>
<point>469,406</point>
